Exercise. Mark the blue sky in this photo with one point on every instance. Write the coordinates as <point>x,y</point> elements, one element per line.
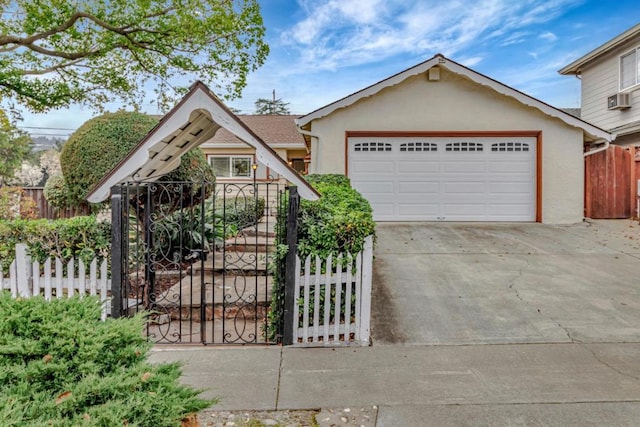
<point>323,50</point>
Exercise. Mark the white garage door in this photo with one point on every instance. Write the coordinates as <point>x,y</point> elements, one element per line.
<point>446,178</point>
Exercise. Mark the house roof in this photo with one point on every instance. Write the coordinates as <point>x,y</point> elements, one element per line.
<point>194,120</point>
<point>575,112</point>
<point>576,66</point>
<point>443,62</point>
<point>275,130</point>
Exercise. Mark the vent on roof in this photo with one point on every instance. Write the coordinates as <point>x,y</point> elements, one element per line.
<point>618,101</point>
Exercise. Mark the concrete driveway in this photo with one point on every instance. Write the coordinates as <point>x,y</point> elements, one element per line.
<point>480,283</point>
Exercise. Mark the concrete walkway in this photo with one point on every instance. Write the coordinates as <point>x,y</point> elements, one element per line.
<point>515,384</point>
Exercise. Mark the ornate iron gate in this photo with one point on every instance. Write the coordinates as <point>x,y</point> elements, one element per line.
<point>195,257</point>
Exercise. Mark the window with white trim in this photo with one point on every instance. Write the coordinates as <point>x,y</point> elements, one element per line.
<point>630,69</point>
<point>231,166</point>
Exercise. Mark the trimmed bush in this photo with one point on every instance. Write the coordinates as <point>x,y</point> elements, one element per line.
<point>99,145</point>
<point>61,366</point>
<point>56,192</point>
<point>79,237</point>
<point>336,223</point>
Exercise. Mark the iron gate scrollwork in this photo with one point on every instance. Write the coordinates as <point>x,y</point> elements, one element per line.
<point>196,258</point>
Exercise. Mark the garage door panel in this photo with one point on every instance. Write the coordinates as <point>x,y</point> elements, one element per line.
<point>466,166</point>
<point>417,209</point>
<point>466,209</point>
<point>419,188</point>
<point>376,187</point>
<point>520,166</point>
<point>418,168</point>
<point>510,188</point>
<point>418,179</point>
<point>373,166</point>
<point>463,187</point>
<point>508,210</point>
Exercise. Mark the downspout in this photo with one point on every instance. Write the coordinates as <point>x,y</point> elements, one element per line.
<point>317,154</point>
<point>599,149</point>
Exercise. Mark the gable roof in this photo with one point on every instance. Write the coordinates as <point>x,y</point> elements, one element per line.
<point>576,66</point>
<point>194,120</point>
<point>275,130</point>
<point>441,61</point>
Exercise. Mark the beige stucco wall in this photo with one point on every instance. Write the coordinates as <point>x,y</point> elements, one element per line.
<point>455,103</point>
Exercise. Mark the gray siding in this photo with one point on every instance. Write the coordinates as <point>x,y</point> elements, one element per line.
<point>600,79</point>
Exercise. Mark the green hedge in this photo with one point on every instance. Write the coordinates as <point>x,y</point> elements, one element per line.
<point>61,366</point>
<point>80,237</point>
<point>336,223</point>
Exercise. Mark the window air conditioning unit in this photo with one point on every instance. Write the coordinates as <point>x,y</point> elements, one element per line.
<point>618,101</point>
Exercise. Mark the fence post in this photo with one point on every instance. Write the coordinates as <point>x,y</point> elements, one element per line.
<point>23,270</point>
<point>290,265</point>
<point>116,251</point>
<point>367,275</point>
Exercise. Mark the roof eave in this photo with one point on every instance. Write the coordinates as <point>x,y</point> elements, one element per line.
<point>474,76</point>
<point>201,99</point>
<point>576,66</point>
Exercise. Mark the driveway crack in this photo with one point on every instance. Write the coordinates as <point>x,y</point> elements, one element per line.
<point>608,365</point>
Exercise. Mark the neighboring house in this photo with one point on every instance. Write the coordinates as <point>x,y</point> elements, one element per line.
<point>232,159</point>
<point>610,78</point>
<point>441,142</point>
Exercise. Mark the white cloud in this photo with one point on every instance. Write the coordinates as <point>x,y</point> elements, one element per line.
<point>548,35</point>
<point>472,61</point>
<point>336,34</point>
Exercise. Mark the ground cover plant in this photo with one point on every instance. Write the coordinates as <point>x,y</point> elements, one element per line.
<point>61,366</point>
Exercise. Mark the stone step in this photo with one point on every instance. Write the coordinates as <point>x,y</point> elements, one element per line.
<point>233,289</point>
<point>237,261</point>
<point>250,244</point>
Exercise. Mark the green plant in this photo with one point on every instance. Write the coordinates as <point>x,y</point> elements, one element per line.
<point>336,223</point>
<point>55,191</point>
<point>60,365</point>
<point>79,237</point>
<point>240,211</point>
<point>100,143</point>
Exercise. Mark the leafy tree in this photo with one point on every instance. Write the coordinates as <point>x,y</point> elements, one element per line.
<point>100,143</point>
<point>56,53</point>
<point>272,106</point>
<point>15,146</point>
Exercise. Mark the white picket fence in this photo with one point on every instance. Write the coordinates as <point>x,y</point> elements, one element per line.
<point>27,278</point>
<point>349,282</point>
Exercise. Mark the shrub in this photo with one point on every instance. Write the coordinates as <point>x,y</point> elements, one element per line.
<point>336,223</point>
<point>100,143</point>
<point>333,179</point>
<point>241,212</point>
<point>80,237</point>
<point>60,365</point>
<point>56,192</point>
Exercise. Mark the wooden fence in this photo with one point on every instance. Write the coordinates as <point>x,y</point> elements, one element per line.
<point>46,211</point>
<point>27,278</point>
<point>611,183</point>
<point>334,307</point>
